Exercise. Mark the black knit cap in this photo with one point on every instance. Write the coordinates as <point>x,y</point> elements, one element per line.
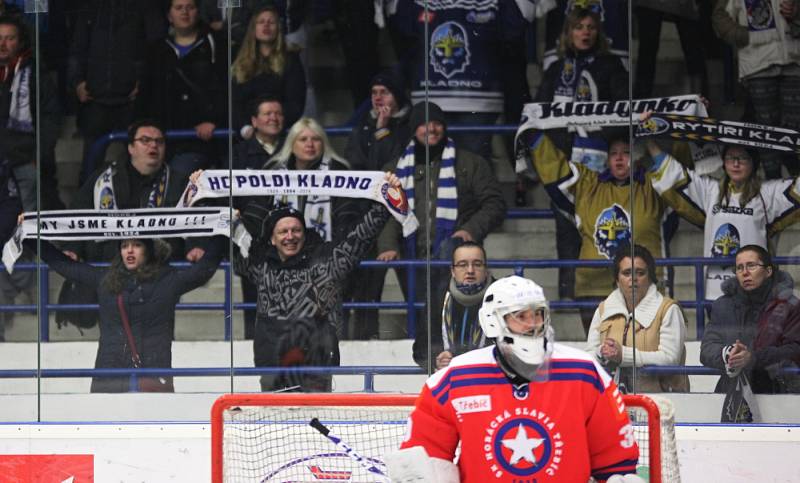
<point>391,81</point>
<point>435,113</point>
<point>277,214</point>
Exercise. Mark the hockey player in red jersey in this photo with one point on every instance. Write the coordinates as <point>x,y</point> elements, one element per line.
<point>525,410</point>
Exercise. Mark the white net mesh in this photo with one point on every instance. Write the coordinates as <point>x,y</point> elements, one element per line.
<point>277,444</point>
<point>268,441</point>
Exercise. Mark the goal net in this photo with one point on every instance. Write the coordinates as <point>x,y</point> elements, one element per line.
<point>267,437</point>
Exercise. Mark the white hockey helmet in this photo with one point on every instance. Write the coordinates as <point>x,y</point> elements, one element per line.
<point>508,296</point>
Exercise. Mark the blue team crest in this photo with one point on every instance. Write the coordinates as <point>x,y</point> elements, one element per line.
<point>449,49</point>
<point>612,229</point>
<point>726,241</point>
<point>106,199</point>
<point>759,15</point>
<point>651,127</point>
<point>524,446</point>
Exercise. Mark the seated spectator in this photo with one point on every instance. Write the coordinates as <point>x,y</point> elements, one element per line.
<point>106,64</point>
<point>380,135</point>
<point>658,334</point>
<point>754,330</point>
<point>300,278</point>
<point>141,283</point>
<point>263,136</point>
<point>382,132</point>
<point>461,329</point>
<point>602,207</point>
<point>184,85</point>
<point>468,213</point>
<point>264,67</point>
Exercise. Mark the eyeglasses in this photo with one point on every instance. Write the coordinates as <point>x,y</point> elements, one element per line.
<point>737,159</point>
<point>463,264</point>
<point>148,140</point>
<point>749,266</point>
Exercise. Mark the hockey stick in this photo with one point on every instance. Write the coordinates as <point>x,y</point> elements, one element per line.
<point>362,461</point>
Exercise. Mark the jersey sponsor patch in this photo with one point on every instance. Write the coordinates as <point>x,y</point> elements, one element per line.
<point>472,404</point>
<point>524,443</point>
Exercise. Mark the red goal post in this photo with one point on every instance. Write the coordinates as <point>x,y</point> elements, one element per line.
<point>249,429</point>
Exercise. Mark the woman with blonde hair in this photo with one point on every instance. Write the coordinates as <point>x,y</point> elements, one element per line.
<point>307,148</point>
<point>265,67</point>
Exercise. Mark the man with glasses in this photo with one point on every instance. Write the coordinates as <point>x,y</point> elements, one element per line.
<point>754,333</point>
<point>461,331</point>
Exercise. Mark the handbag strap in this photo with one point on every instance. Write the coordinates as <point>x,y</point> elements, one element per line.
<point>137,361</point>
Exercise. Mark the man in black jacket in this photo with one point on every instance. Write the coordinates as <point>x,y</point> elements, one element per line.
<point>300,282</point>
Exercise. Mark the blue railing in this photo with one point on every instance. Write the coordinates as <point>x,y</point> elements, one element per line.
<point>100,145</point>
<point>518,266</point>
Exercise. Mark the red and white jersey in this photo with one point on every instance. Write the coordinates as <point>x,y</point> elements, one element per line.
<point>567,428</point>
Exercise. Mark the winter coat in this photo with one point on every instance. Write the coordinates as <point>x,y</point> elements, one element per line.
<point>107,50</point>
<point>308,285</point>
<point>366,151</point>
<point>183,92</point>
<point>769,327</point>
<point>481,207</point>
<point>289,88</point>
<point>150,306</point>
<point>250,154</point>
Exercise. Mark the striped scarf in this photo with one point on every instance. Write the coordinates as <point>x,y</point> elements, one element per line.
<point>446,194</point>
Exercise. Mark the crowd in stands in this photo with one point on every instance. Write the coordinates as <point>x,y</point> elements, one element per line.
<point>148,67</point>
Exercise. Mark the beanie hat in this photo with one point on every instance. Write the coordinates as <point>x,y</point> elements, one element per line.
<point>277,214</point>
<point>391,81</point>
<point>435,113</point>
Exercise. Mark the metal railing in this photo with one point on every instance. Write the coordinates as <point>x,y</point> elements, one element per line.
<point>518,266</point>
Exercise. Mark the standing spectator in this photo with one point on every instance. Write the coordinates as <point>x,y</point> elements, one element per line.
<point>602,207</point>
<point>649,15</point>
<point>755,329</point>
<point>380,135</point>
<point>585,71</point>
<point>141,281</point>
<point>184,86</point>
<point>19,124</point>
<point>476,49</point>
<point>613,17</point>
<point>766,35</point>
<point>106,64</point>
<point>461,330</point>
<point>299,278</point>
<point>468,213</point>
<point>657,336</point>
<point>10,207</point>
<point>358,35</point>
<point>735,211</point>
<point>265,67</point>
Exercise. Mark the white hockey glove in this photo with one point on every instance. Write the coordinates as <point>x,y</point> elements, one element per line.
<point>414,465</point>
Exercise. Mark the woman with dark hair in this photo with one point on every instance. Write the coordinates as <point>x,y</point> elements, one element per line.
<point>755,327</point>
<point>141,287</point>
<point>656,336</point>
<point>265,67</point>
<point>737,210</point>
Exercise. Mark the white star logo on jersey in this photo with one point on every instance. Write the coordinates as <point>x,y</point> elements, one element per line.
<point>522,446</point>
